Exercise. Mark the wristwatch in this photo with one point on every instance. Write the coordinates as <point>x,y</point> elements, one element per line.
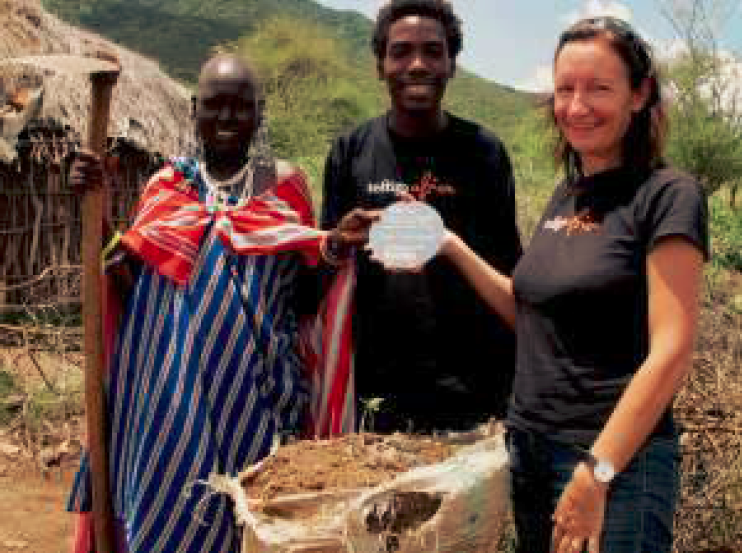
<point>603,469</point>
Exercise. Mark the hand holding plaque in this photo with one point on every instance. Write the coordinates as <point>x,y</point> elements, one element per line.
<point>407,235</point>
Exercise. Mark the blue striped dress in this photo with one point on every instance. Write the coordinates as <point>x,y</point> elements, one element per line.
<point>202,378</point>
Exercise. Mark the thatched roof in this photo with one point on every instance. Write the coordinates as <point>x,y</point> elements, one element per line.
<point>149,109</point>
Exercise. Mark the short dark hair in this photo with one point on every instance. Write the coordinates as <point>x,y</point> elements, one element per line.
<point>440,10</point>
<point>644,141</point>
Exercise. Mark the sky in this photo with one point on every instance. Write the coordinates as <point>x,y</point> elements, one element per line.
<point>511,42</point>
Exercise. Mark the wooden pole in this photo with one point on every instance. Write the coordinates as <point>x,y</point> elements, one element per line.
<point>92,241</point>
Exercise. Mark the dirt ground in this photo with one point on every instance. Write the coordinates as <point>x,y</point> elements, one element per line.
<point>40,438</point>
<point>33,518</point>
<point>39,450</point>
<point>40,441</point>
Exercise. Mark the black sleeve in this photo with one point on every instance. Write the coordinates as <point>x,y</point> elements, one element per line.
<point>676,206</point>
<point>337,190</point>
<point>497,222</point>
<point>308,290</point>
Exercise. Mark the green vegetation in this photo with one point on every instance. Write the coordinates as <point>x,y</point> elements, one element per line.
<point>8,388</point>
<point>500,108</point>
<point>706,137</point>
<point>181,33</point>
<point>313,89</point>
<point>533,167</point>
<point>726,232</point>
<point>706,132</point>
<point>46,405</point>
<point>317,62</point>
<point>320,79</point>
<point>370,408</point>
<point>317,85</point>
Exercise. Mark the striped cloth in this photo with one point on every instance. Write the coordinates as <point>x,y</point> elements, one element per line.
<point>173,216</point>
<point>206,367</point>
<point>326,348</point>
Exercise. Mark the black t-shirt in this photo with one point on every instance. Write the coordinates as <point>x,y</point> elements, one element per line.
<point>425,341</point>
<point>581,290</point>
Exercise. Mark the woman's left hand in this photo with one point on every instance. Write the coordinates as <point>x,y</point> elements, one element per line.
<point>578,518</point>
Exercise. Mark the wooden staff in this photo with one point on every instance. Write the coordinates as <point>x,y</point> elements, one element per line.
<point>103,70</point>
<point>95,402</point>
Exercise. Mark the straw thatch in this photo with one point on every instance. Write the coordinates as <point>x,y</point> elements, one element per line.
<point>149,110</point>
<point>46,61</point>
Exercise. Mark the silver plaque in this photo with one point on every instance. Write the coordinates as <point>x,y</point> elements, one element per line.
<point>407,235</point>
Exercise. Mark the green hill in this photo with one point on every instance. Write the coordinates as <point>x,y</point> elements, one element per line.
<point>317,65</point>
<point>181,33</point>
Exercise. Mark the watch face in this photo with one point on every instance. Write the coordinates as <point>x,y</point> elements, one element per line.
<point>604,471</point>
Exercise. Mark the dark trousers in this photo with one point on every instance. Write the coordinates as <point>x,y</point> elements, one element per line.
<point>641,499</point>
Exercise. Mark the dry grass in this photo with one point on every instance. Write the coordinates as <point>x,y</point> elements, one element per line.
<point>709,408</point>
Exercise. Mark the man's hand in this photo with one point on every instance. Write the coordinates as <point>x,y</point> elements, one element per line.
<point>86,173</point>
<point>352,231</point>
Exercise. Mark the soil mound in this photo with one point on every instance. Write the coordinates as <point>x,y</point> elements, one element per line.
<point>347,462</point>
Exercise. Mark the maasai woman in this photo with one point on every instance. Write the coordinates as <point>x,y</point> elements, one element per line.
<point>205,372</point>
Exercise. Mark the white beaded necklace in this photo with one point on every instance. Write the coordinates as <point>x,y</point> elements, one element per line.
<point>219,191</point>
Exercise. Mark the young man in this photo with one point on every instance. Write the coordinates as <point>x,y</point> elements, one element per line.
<point>424,342</point>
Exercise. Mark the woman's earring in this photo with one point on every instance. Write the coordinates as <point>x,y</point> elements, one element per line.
<point>194,145</point>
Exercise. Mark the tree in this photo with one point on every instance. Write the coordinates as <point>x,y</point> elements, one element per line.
<point>705,86</point>
<point>313,88</point>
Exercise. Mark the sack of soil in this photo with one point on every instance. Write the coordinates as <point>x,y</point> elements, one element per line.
<point>365,493</point>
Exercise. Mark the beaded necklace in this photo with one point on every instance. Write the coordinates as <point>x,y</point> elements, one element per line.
<point>220,191</point>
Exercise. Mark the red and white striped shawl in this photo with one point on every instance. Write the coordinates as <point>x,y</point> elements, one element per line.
<point>168,229</point>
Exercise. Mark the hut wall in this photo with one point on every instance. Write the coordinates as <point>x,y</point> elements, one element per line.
<point>41,229</point>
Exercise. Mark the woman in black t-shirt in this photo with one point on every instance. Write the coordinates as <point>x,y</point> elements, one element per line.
<point>605,304</point>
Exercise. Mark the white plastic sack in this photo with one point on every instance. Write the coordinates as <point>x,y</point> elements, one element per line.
<point>472,493</point>
<point>457,506</point>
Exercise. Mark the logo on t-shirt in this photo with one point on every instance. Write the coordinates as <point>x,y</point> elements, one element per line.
<point>582,222</point>
<point>387,187</point>
<point>427,185</point>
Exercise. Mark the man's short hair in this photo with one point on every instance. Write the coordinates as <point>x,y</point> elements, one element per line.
<point>440,10</point>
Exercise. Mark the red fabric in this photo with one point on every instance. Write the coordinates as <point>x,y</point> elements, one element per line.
<point>171,223</point>
<point>166,235</point>
<point>84,536</point>
<point>326,344</point>
<point>83,540</point>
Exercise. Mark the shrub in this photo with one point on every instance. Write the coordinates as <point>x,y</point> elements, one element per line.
<point>8,387</point>
<point>726,232</point>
